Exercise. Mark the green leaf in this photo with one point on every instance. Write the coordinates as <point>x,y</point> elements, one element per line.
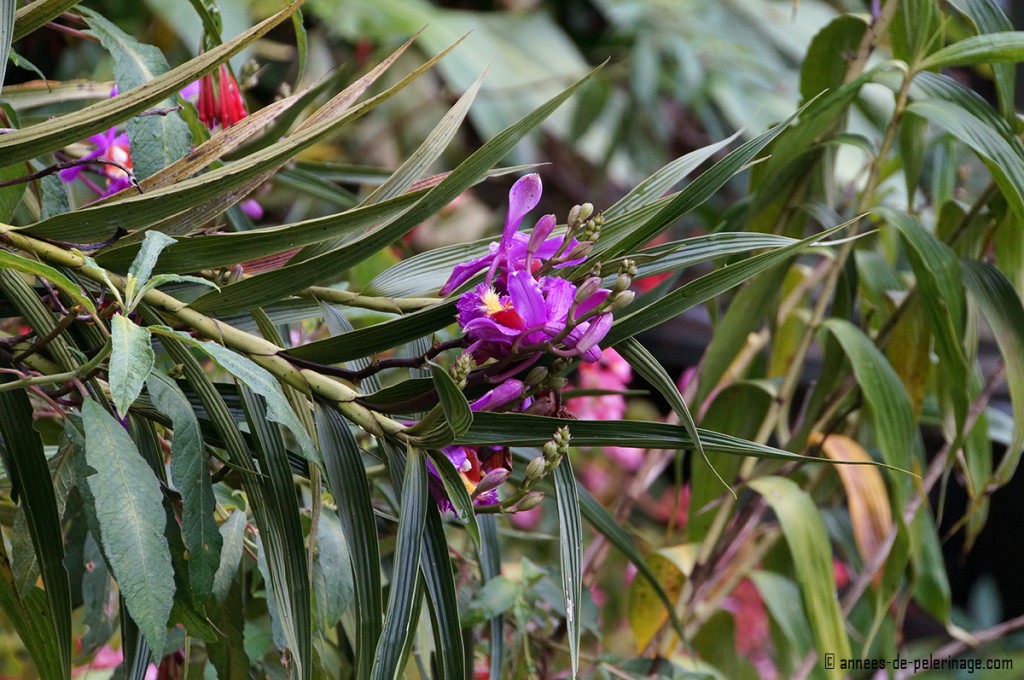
<point>32,625</point>
<point>987,17</point>
<point>332,571</point>
<point>441,590</point>
<point>21,451</point>
<point>232,539</point>
<point>916,27</point>
<point>991,48</point>
<point>67,129</point>
<point>812,558</point>
<point>281,534</point>
<point>36,14</point>
<point>259,380</point>
<point>270,286</point>
<point>142,266</point>
<point>129,509</point>
<point>131,360</point>
<point>156,141</point>
<point>456,409</point>
<point>937,270</point>
<point>457,493</point>
<point>350,487</point>
<point>891,411</point>
<point>399,622</point>
<point>492,600</point>
<point>26,266</point>
<point>1002,309</point>
<point>570,551</point>
<point>190,473</point>
<point>705,288</point>
<point>490,568</point>
<point>6,36</point>
<point>825,63</point>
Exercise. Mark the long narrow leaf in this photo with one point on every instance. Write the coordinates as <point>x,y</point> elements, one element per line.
<point>570,550</point>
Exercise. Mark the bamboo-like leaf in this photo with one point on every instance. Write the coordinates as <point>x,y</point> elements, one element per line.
<point>937,270</point>
<point>281,533</point>
<point>490,568</point>
<point>987,17</point>
<point>570,551</point>
<point>812,558</point>
<point>399,622</point>
<point>32,624</point>
<point>191,476</point>
<point>6,37</point>
<point>232,535</point>
<point>156,141</point>
<point>129,509</point>
<point>25,463</point>
<point>259,380</point>
<point>456,409</point>
<point>270,286</point>
<point>62,130</point>
<point>990,48</point>
<point>887,400</point>
<point>36,14</point>
<point>1002,308</point>
<point>66,285</point>
<point>131,359</point>
<point>332,571</point>
<point>456,490</point>
<point>347,480</point>
<point>440,586</point>
<point>705,288</point>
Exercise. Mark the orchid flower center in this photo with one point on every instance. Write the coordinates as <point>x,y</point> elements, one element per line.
<point>119,154</point>
<point>502,312</point>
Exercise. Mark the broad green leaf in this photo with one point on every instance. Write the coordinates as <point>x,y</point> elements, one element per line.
<point>891,411</point>
<point>812,558</point>
<point>156,141</point>
<point>232,540</point>
<point>21,451</point>
<point>259,380</point>
<point>937,270</point>
<point>494,598</point>
<point>1002,309</point>
<point>270,286</point>
<point>570,551</point>
<point>129,509</point>
<point>346,478</point>
<point>26,266</point>
<point>190,473</point>
<point>990,48</point>
<point>142,266</point>
<point>67,129</point>
<point>931,583</point>
<point>782,598</point>
<point>825,63</point>
<point>281,534</point>
<point>228,655</point>
<point>915,29</point>
<point>131,360</point>
<point>332,571</point>
<point>389,657</point>
<point>987,17</point>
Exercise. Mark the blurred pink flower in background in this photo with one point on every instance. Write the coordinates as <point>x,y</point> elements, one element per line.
<point>610,372</point>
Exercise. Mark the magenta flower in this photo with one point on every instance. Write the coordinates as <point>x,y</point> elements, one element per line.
<point>482,468</point>
<point>109,146</point>
<point>516,250</point>
<point>532,312</point>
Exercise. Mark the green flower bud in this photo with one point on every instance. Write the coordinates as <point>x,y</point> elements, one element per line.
<point>621,300</point>
<point>535,468</point>
<point>529,502</point>
<point>536,376</point>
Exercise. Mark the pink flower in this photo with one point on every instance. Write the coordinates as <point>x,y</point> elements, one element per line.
<point>107,146</point>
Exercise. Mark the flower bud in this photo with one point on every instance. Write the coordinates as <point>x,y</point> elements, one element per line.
<point>558,382</point>
<point>540,233</point>
<point>622,282</point>
<point>628,267</point>
<point>535,469</point>
<point>461,369</point>
<point>550,450</point>
<point>492,480</point>
<point>536,376</point>
<point>621,300</point>
<point>529,502</point>
<point>587,288</point>
<point>506,392</point>
<point>592,229</point>
<point>580,250</point>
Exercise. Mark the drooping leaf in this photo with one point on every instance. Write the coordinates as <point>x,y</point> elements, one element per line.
<point>332,571</point>
<point>570,551</point>
<point>129,509</point>
<point>232,533</point>
<point>26,266</point>
<point>131,360</point>
<point>191,476</point>
<point>990,48</point>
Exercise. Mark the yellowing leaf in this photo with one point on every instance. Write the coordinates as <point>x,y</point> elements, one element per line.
<point>671,566</point>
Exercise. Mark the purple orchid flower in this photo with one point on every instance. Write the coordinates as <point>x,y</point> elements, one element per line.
<point>532,312</point>
<point>109,146</point>
<point>482,468</point>
<point>516,250</point>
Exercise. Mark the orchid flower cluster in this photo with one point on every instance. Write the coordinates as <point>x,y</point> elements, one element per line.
<point>521,311</point>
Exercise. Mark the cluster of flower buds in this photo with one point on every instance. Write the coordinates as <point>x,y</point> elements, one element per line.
<point>525,496</point>
<point>221,103</point>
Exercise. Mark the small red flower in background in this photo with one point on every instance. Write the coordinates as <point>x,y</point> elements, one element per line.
<point>221,104</point>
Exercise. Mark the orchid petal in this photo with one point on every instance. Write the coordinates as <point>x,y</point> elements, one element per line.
<point>464,272</point>
<point>522,198</point>
<point>508,391</point>
<point>527,298</point>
